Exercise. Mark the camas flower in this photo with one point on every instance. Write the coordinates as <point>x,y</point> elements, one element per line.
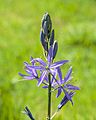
<point>32,73</point>
<point>65,100</point>
<point>65,82</point>
<point>64,86</point>
<point>46,68</point>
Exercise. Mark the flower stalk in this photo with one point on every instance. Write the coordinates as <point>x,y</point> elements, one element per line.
<point>49,97</point>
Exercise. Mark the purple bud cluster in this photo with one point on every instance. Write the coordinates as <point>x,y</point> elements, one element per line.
<point>47,36</point>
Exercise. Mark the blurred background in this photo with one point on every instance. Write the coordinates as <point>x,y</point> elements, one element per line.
<point>74,22</point>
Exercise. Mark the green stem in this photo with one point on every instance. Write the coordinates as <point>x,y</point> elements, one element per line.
<point>49,97</point>
<point>54,115</point>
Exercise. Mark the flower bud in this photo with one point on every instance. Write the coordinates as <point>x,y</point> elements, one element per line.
<point>55,48</point>
<point>28,113</point>
<point>45,28</point>
<point>43,41</point>
<point>46,24</point>
<point>52,38</point>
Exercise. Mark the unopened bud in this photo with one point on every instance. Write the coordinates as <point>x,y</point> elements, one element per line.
<point>52,38</point>
<point>45,28</point>
<point>46,24</point>
<point>43,41</point>
<point>55,48</point>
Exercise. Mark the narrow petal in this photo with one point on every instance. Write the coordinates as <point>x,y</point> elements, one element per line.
<point>25,63</point>
<point>59,63</point>
<point>31,58</point>
<point>68,96</point>
<point>28,71</point>
<point>34,72</point>
<point>31,71</point>
<point>50,54</point>
<point>59,74</point>
<point>42,78</point>
<point>46,86</point>
<point>46,78</point>
<point>22,75</point>
<point>59,92</point>
<point>35,67</point>
<point>71,87</point>
<point>26,77</point>
<point>65,100</point>
<point>54,73</point>
<point>67,76</point>
<point>40,61</point>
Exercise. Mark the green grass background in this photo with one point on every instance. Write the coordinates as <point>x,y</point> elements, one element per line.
<point>74,22</point>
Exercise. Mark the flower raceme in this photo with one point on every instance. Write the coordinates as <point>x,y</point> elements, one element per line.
<point>60,85</point>
<point>40,70</point>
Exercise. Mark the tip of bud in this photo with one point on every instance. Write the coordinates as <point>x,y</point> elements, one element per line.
<point>46,24</point>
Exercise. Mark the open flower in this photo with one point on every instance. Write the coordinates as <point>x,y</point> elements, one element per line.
<point>65,100</point>
<point>43,67</point>
<point>64,86</point>
<point>48,67</point>
<point>31,73</point>
<point>64,83</point>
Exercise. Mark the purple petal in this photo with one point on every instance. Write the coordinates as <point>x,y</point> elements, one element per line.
<point>40,61</point>
<point>54,73</point>
<point>50,54</point>
<point>59,74</point>
<point>70,78</point>
<point>46,78</point>
<point>59,92</point>
<point>25,63</point>
<point>31,60</point>
<point>68,96</point>
<point>26,77</point>
<point>59,63</point>
<point>67,76</point>
<point>65,100</point>
<point>31,71</point>
<point>22,75</point>
<point>71,87</point>
<point>46,86</point>
<point>42,78</point>
<point>35,67</point>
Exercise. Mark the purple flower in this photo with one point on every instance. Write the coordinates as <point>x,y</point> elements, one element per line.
<point>64,86</point>
<point>64,83</point>
<point>65,100</point>
<point>32,73</point>
<point>48,67</point>
<point>44,68</point>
